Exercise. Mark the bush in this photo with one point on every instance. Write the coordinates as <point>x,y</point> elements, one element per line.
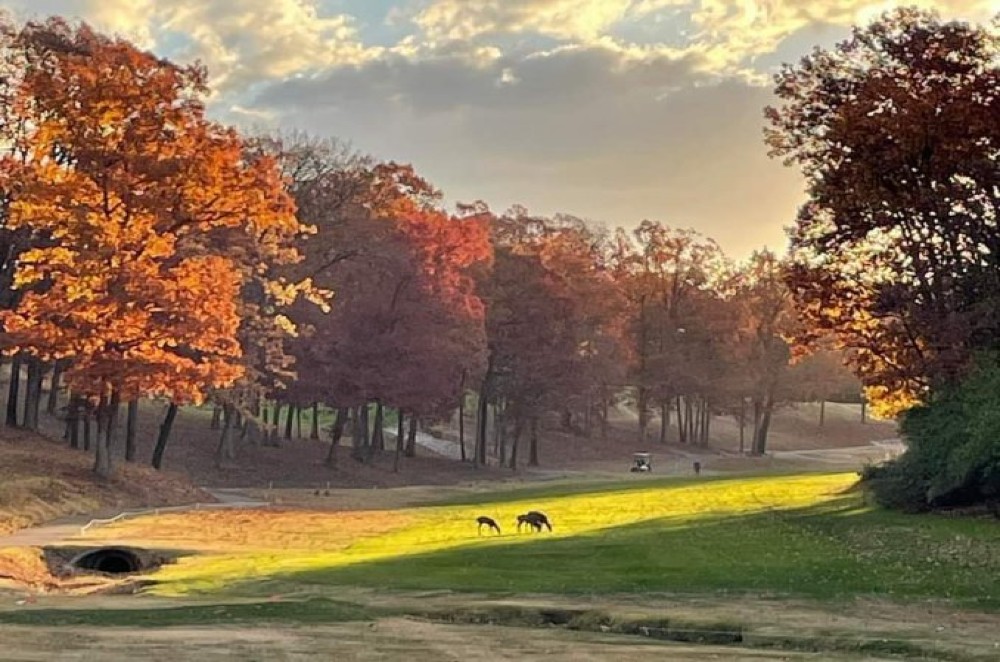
<point>953,447</point>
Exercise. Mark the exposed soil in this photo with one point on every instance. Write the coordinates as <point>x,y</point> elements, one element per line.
<point>929,626</point>
<point>506,628</point>
<point>385,639</point>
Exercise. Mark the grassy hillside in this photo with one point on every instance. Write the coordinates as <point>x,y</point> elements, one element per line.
<point>42,480</point>
<point>785,535</point>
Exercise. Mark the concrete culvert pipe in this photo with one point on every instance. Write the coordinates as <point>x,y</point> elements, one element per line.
<point>110,560</point>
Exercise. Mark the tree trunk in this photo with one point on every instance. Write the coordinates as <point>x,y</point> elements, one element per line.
<point>399,441</point>
<point>533,449</point>
<point>225,450</point>
<point>378,433</point>
<point>501,452</point>
<point>33,394</point>
<point>461,425</point>
<point>242,423</point>
<point>12,390</point>
<point>664,420</point>
<point>743,422</point>
<point>377,441</point>
<point>761,429</point>
<point>707,422</point>
<point>73,408</point>
<point>161,439</point>
<point>298,422</point>
<point>864,410</point>
<point>107,412</point>
<point>102,454</point>
<point>86,431</point>
<point>566,419</point>
<point>481,412</point>
<point>681,425</point>
<point>54,383</point>
<point>130,424</point>
<point>514,443</point>
<point>289,420</point>
<point>642,402</point>
<point>411,437</point>
<point>604,417</point>
<point>275,425</point>
<point>500,422</point>
<point>314,428</point>
<point>359,430</point>
<point>216,418</point>
<point>496,427</point>
<point>822,412</point>
<point>689,421</point>
<point>335,435</point>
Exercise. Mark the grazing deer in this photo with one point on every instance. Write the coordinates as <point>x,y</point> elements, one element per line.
<point>534,519</point>
<point>524,519</point>
<point>488,522</point>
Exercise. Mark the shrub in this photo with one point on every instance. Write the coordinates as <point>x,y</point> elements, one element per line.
<point>953,447</point>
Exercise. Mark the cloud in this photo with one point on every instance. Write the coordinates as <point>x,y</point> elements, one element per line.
<point>566,19</point>
<point>253,40</point>
<point>728,33</point>
<point>607,132</point>
<point>242,42</point>
<point>615,110</point>
<point>734,30</point>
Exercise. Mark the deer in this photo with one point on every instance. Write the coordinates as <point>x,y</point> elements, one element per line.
<point>489,523</point>
<point>535,520</point>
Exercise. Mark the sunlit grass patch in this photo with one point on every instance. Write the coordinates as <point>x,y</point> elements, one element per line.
<point>249,546</point>
<point>786,535</point>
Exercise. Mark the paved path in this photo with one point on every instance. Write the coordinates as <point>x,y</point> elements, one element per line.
<point>72,528</point>
<point>40,536</point>
<point>876,450</point>
<point>449,449</point>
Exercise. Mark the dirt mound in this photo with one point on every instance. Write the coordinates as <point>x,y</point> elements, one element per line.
<point>41,480</point>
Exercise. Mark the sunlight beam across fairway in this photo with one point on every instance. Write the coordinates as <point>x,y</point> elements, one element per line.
<point>264,545</point>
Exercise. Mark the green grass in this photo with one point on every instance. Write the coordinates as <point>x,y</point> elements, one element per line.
<point>801,536</point>
<point>833,551</point>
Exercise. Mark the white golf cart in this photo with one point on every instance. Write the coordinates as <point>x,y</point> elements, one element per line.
<point>641,462</point>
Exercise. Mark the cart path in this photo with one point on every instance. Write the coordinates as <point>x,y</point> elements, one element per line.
<point>71,529</point>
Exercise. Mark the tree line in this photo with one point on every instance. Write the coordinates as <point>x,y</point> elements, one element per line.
<point>150,252</point>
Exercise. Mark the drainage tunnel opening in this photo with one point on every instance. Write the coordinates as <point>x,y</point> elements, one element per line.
<point>111,560</point>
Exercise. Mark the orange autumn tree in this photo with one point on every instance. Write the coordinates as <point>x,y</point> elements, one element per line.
<point>143,202</point>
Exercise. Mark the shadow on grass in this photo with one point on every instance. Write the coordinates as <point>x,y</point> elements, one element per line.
<point>835,550</point>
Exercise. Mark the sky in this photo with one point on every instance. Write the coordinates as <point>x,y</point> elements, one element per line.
<point>615,111</point>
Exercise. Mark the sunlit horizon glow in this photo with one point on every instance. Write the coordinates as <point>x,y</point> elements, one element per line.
<point>612,110</point>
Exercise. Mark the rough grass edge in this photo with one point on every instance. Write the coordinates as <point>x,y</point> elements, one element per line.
<point>692,632</point>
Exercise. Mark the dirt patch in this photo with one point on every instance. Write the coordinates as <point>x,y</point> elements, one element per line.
<point>863,625</point>
<point>390,638</point>
<point>39,572</point>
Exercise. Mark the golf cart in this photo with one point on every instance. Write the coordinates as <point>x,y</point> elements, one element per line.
<point>641,462</point>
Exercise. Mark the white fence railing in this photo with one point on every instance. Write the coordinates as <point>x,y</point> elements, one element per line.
<point>171,509</point>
